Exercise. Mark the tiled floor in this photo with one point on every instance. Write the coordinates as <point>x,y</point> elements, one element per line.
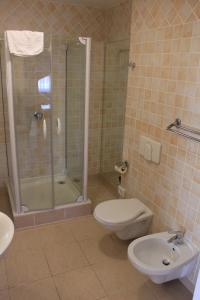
<point>75,260</point>
<point>4,202</point>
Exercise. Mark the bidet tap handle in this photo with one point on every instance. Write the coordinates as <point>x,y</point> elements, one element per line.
<point>178,233</point>
<point>177,237</point>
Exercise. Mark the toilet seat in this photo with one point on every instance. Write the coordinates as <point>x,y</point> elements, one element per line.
<point>119,211</point>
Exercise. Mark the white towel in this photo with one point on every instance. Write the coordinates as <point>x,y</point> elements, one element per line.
<point>25,43</point>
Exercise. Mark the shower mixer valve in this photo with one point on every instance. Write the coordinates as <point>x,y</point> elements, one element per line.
<point>38,115</point>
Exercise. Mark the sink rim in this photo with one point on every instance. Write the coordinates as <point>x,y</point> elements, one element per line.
<point>6,236</point>
<point>163,269</point>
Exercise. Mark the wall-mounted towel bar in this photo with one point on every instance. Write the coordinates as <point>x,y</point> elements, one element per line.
<point>186,131</point>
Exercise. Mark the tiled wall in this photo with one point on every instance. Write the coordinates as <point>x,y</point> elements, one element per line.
<point>114,103</point>
<point>3,158</point>
<point>70,20</point>
<point>59,54</point>
<point>95,113</point>
<point>53,16</point>
<point>104,143</point>
<point>165,44</point>
<point>27,100</point>
<point>75,109</point>
<point>117,28</point>
<point>117,22</point>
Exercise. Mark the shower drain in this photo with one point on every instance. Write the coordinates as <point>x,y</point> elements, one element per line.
<point>61,182</point>
<point>76,180</point>
<point>166,262</point>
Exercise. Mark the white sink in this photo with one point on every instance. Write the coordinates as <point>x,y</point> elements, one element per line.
<point>160,260</point>
<point>6,232</point>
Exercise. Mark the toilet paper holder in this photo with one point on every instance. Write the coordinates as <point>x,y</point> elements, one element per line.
<point>121,167</point>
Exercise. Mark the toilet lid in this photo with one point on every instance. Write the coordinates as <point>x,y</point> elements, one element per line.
<point>119,210</point>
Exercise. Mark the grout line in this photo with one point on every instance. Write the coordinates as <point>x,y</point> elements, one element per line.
<point>57,290</point>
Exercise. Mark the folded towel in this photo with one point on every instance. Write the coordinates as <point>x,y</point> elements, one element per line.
<point>25,43</point>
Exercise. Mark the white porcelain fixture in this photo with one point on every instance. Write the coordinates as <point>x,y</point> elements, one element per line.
<point>196,295</point>
<point>150,149</point>
<point>162,261</point>
<point>6,232</point>
<point>128,218</point>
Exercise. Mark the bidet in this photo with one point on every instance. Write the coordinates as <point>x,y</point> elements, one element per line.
<point>162,261</point>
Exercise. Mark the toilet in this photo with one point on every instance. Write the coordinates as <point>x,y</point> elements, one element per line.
<point>127,218</point>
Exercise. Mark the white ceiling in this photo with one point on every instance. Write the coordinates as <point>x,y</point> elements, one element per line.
<point>99,3</point>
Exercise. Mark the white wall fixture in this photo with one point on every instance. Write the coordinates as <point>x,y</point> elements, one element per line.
<point>150,149</point>
<point>6,232</point>
<point>127,218</point>
<point>197,289</point>
<point>163,256</point>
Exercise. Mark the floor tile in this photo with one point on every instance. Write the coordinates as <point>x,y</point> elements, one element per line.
<point>26,266</point>
<point>3,277</point>
<point>25,240</point>
<point>66,248</point>
<point>65,257</point>
<point>80,284</point>
<point>40,290</point>
<point>173,290</point>
<point>55,234</point>
<point>118,276</point>
<point>4,295</point>
<point>105,248</point>
<point>87,228</point>
<point>142,293</point>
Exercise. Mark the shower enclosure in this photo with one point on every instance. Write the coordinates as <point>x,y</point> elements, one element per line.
<point>47,128</point>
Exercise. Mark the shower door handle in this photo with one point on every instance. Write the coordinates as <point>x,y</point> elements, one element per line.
<point>59,127</point>
<point>44,128</point>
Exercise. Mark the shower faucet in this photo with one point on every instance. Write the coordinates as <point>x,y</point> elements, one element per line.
<point>38,115</point>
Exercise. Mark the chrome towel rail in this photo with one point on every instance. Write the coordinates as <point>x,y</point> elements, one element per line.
<point>184,130</point>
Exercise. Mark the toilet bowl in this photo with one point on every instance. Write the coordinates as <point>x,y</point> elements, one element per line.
<point>127,218</point>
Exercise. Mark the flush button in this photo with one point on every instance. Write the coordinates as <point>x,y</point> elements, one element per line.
<point>150,149</point>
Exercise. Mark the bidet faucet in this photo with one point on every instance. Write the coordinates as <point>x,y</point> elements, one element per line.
<point>177,237</point>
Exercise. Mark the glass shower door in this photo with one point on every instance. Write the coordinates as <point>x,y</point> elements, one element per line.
<point>68,94</point>
<point>114,104</point>
<point>33,127</point>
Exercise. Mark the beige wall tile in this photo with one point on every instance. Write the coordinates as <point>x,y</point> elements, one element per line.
<point>164,85</point>
<point>57,18</point>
